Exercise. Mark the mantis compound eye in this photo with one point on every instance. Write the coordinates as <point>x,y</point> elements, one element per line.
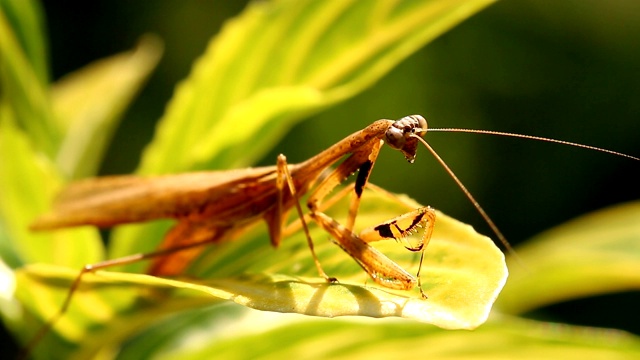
<point>395,137</point>
<point>421,129</point>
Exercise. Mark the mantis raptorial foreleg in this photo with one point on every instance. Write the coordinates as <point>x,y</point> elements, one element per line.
<point>381,269</point>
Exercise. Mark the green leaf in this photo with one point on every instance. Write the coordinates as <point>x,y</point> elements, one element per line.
<point>276,63</point>
<point>595,254</point>
<point>282,337</point>
<point>281,60</point>
<point>91,101</point>
<point>28,183</point>
<point>25,92</point>
<point>463,274</point>
<point>26,20</point>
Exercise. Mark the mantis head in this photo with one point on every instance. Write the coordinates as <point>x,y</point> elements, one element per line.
<point>402,135</point>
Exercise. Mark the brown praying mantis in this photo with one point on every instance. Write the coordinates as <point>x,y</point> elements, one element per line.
<point>211,206</point>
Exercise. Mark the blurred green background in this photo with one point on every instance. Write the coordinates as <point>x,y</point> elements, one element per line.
<point>568,70</point>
